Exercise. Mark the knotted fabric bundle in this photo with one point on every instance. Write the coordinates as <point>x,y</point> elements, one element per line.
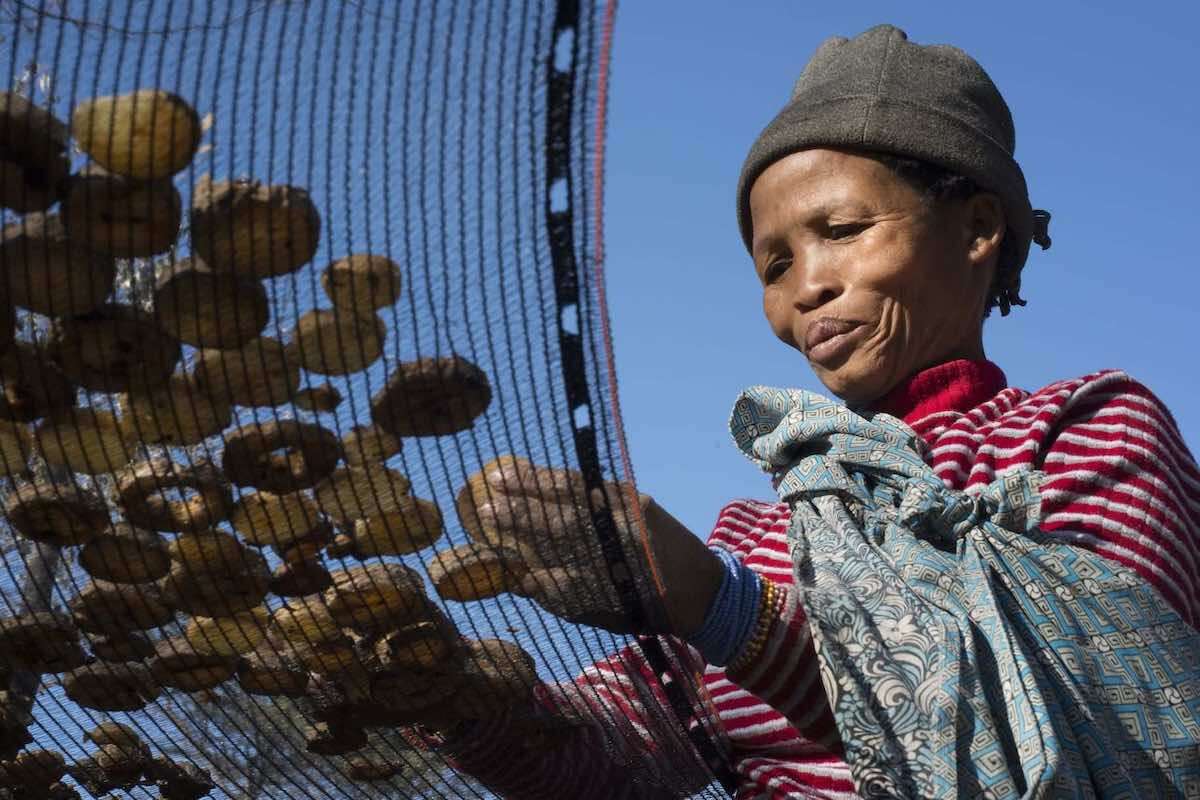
<point>964,652</point>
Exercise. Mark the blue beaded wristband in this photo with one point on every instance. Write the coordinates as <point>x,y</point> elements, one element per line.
<point>731,617</point>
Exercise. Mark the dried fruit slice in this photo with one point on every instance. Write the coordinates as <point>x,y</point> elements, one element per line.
<point>327,658</point>
<point>114,733</point>
<point>258,374</point>
<point>474,571</point>
<point>208,551</point>
<point>377,597</point>
<point>177,664</point>
<point>33,387</point>
<point>177,413</point>
<point>215,575</point>
<point>362,281</point>
<point>125,554</point>
<point>432,397</point>
<point>337,341</point>
<point>278,520</point>
<point>519,478</point>
<point>51,273</point>
<point>227,636</point>
<point>25,188</point>
<point>121,647</point>
<point>142,490</point>
<point>420,646</point>
<point>352,493</point>
<point>342,546</point>
<point>309,548</point>
<point>144,134</point>
<point>408,690</point>
<point>306,621</point>
<point>415,525</point>
<point>122,217</point>
<point>88,440</point>
<point>266,672</point>
<point>46,641</point>
<point>470,497</point>
<point>310,452</point>
<point>120,765</point>
<point>179,780</point>
<point>369,446</point>
<point>118,608</point>
<point>56,513</point>
<point>253,229</point>
<point>298,578</point>
<point>111,687</point>
<point>205,308</point>
<point>28,131</point>
<point>32,772</point>
<point>319,399</point>
<point>112,348</point>
<point>219,594</point>
<point>33,159</point>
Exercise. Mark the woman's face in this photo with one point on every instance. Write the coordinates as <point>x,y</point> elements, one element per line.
<point>865,278</point>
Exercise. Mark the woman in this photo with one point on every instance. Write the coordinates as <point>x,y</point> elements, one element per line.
<point>886,219</point>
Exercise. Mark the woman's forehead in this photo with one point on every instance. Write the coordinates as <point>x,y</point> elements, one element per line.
<point>820,181</point>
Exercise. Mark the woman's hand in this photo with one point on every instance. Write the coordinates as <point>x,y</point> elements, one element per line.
<point>541,514</point>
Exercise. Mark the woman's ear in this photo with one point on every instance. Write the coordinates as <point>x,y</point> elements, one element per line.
<point>986,223</point>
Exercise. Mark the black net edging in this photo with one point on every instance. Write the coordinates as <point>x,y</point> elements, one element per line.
<point>566,273</point>
<point>228,476</point>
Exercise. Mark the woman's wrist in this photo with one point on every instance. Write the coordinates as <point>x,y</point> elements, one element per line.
<point>697,598</point>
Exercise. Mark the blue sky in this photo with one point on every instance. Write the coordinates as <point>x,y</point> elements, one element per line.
<point>1106,113</point>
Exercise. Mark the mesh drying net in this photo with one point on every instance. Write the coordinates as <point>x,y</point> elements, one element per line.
<point>280,278</point>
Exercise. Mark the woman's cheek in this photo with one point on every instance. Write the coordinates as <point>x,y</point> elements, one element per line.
<point>890,342</point>
<point>779,316</point>
<point>890,329</point>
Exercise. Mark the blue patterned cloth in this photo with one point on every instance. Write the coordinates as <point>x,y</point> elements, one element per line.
<point>964,652</point>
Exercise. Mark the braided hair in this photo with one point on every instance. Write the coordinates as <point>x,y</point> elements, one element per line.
<point>938,185</point>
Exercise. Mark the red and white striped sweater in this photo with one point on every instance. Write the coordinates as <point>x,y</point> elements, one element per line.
<point>1119,481</point>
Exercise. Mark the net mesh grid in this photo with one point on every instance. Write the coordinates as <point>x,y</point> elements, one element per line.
<point>462,141</point>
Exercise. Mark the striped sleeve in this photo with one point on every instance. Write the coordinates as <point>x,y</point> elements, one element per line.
<point>1121,482</point>
<point>593,737</point>
<point>786,676</point>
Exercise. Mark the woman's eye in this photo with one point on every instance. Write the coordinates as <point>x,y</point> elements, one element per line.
<point>774,270</point>
<point>847,230</point>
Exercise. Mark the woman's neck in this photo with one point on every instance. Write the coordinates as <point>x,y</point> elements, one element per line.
<point>955,385</point>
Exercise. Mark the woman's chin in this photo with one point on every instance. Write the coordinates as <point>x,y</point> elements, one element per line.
<point>856,388</point>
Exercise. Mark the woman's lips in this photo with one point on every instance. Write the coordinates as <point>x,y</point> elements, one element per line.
<point>829,339</point>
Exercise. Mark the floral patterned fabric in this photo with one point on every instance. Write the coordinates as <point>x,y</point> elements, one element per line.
<point>964,653</point>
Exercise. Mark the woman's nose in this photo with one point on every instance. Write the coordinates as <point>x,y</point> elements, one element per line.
<point>812,284</point>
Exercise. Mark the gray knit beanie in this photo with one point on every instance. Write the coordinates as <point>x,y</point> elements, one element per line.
<point>880,92</point>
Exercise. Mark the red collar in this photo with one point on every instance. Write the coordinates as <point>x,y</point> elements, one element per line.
<point>954,386</point>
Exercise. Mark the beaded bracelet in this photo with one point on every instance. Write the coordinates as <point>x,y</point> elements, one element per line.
<point>770,608</point>
<point>732,613</point>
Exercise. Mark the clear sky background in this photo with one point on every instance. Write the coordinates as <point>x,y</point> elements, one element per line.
<point>1106,106</point>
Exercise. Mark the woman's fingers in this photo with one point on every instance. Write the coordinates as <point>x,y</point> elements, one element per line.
<point>583,597</point>
<point>545,515</point>
<point>514,475</point>
<point>510,476</point>
<point>532,517</point>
